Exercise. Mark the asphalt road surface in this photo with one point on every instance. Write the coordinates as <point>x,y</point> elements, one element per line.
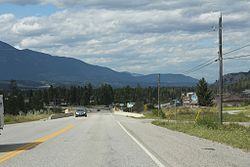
<point>104,139</point>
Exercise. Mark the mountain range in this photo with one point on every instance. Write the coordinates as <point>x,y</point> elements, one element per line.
<point>28,65</point>
<point>232,78</point>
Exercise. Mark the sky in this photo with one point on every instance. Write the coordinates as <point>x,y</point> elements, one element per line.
<point>138,36</point>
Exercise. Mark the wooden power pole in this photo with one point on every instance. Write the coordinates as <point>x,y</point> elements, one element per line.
<point>159,105</point>
<point>220,107</point>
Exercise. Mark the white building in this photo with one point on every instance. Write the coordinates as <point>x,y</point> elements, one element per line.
<point>190,99</point>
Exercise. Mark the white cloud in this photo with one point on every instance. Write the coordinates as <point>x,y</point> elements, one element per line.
<point>40,41</point>
<point>6,18</point>
<point>27,26</point>
<point>87,3</point>
<point>137,36</point>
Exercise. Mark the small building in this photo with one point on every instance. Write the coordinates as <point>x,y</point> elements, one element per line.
<point>190,99</point>
<point>130,106</point>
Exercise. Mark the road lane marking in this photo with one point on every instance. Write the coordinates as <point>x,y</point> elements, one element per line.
<point>25,147</point>
<point>158,163</point>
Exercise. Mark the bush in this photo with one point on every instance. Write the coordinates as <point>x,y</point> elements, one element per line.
<point>184,110</point>
<point>126,109</point>
<point>57,110</point>
<point>150,106</point>
<point>233,126</point>
<point>161,113</point>
<point>155,112</point>
<point>207,122</point>
<point>139,106</point>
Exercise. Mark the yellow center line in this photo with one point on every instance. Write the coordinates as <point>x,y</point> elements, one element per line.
<point>25,147</point>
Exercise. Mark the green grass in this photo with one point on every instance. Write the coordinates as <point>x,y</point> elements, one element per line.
<point>149,115</point>
<point>233,134</point>
<point>240,117</point>
<point>190,114</point>
<point>235,108</point>
<point>154,114</point>
<point>10,119</point>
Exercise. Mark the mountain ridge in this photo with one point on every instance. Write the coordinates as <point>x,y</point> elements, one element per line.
<point>232,78</point>
<point>36,66</point>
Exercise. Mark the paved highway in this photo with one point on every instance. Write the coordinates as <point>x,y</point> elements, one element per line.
<point>104,139</point>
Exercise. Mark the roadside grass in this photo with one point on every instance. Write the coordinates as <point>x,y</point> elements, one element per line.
<point>10,119</point>
<point>240,117</point>
<point>226,108</point>
<point>233,134</point>
<point>191,114</point>
<point>149,115</point>
<point>246,111</point>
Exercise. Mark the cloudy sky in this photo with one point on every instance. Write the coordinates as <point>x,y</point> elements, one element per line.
<point>139,36</point>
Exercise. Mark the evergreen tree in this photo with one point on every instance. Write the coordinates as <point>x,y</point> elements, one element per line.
<point>20,102</point>
<point>105,94</point>
<point>204,94</point>
<point>12,102</point>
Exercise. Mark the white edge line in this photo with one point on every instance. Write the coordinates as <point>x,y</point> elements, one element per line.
<point>158,163</point>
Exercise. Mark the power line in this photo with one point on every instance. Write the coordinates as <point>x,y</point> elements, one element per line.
<point>215,60</point>
<point>237,49</point>
<point>200,66</point>
<point>236,57</point>
<point>211,61</point>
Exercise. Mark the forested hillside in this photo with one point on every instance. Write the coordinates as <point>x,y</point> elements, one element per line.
<point>239,86</point>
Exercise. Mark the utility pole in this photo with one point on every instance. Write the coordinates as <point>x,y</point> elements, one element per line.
<point>220,107</point>
<point>159,105</point>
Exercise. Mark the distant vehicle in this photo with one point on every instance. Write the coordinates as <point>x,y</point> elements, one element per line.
<point>1,112</point>
<point>81,112</point>
<point>98,109</point>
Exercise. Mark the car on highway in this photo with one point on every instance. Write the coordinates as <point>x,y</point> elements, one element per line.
<point>81,112</point>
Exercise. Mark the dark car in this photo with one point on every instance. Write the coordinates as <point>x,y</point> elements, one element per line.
<point>81,113</point>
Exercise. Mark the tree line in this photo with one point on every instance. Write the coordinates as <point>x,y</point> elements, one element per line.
<point>238,87</point>
<point>149,95</point>
<point>17,100</point>
<point>24,101</point>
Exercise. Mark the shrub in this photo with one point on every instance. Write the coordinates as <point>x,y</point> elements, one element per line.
<point>150,106</point>
<point>57,110</point>
<point>155,112</point>
<point>161,113</point>
<point>139,106</point>
<point>233,126</point>
<point>126,109</point>
<point>207,122</point>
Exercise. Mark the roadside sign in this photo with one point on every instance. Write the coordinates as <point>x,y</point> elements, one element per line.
<point>194,98</point>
